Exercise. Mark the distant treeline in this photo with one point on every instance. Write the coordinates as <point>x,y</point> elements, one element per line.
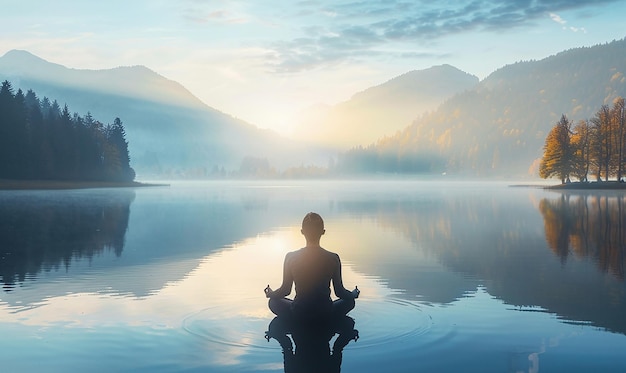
<point>356,161</point>
<point>592,147</point>
<point>41,141</point>
<point>378,158</point>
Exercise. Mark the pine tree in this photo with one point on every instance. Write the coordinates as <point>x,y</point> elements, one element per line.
<point>117,158</point>
<point>39,140</point>
<point>6,129</point>
<point>20,136</point>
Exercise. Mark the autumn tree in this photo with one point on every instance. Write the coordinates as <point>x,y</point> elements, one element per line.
<point>597,145</point>
<point>579,141</point>
<point>618,124</point>
<point>601,142</point>
<point>558,154</point>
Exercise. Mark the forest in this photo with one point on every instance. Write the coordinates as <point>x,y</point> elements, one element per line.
<point>595,146</point>
<point>498,128</point>
<point>39,140</point>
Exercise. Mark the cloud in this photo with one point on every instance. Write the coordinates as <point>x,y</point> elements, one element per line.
<point>361,29</point>
<point>202,13</point>
<point>556,18</point>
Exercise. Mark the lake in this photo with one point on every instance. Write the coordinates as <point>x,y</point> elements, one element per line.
<point>456,276</point>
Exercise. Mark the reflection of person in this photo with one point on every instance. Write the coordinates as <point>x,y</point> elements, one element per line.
<point>312,350</point>
<point>311,269</point>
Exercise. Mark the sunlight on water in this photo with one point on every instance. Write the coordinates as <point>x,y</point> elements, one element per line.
<point>221,301</point>
<point>497,278</point>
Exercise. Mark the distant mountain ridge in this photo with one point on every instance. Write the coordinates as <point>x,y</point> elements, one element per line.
<point>131,81</point>
<point>442,115</point>
<point>170,131</point>
<point>499,127</point>
<point>384,109</point>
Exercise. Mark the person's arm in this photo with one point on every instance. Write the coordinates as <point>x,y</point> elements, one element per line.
<point>340,290</point>
<point>285,288</point>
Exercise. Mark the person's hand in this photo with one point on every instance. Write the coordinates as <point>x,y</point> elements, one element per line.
<point>356,292</point>
<point>267,291</point>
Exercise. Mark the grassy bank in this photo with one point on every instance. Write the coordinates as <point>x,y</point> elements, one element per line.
<point>62,184</point>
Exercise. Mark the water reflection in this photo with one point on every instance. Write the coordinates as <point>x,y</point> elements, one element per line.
<point>42,231</point>
<point>498,239</point>
<point>445,271</point>
<point>312,343</point>
<point>589,226</point>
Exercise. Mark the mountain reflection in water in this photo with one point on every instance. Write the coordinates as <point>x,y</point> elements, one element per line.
<point>170,279</point>
<point>498,240</point>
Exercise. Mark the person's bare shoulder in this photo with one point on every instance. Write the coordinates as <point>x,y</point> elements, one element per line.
<point>334,256</point>
<point>293,254</point>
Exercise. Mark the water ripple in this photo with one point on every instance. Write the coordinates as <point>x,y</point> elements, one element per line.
<point>384,325</point>
<point>223,326</point>
<point>391,323</point>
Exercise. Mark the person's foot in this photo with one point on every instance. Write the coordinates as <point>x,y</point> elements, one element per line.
<point>344,339</point>
<point>283,340</point>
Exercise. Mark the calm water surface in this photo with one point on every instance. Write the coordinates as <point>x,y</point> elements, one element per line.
<point>470,277</point>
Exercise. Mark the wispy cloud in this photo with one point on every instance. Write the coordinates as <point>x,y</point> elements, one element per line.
<point>362,28</point>
<point>556,18</point>
<point>216,16</point>
<point>204,12</point>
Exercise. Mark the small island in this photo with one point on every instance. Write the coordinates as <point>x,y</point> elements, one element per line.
<point>45,147</point>
<point>594,147</point>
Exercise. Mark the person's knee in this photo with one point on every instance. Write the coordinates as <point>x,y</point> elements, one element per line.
<point>343,306</point>
<point>279,306</point>
<point>273,305</point>
<point>350,303</point>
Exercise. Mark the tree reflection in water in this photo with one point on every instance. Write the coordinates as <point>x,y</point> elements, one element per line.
<point>41,231</point>
<point>588,226</point>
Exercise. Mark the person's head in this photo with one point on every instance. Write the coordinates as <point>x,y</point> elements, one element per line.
<point>312,226</point>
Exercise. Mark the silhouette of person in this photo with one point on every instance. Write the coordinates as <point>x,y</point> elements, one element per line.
<point>311,268</point>
<point>312,350</point>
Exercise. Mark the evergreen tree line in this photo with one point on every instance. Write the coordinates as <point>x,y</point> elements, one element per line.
<point>380,159</point>
<point>595,147</point>
<point>41,141</point>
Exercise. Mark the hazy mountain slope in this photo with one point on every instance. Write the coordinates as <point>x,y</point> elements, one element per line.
<point>169,130</point>
<point>499,128</point>
<point>384,109</point>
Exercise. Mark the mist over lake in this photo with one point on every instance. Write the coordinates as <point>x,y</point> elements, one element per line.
<point>465,276</point>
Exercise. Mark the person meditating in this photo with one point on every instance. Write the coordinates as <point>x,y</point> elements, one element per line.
<point>311,268</point>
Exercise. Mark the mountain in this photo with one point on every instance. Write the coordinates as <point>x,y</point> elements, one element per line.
<point>499,127</point>
<point>438,120</point>
<point>170,131</point>
<point>383,109</point>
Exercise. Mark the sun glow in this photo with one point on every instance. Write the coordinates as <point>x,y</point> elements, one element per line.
<point>230,283</point>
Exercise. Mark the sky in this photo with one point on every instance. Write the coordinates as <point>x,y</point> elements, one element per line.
<point>266,61</point>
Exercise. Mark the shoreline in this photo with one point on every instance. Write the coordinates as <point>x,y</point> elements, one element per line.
<point>10,184</point>
<point>594,185</point>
